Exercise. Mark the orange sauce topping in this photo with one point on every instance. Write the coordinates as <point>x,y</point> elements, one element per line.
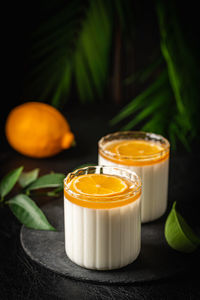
<point>134,152</point>
<point>100,191</point>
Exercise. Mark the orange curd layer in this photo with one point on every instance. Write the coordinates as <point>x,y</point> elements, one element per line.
<point>134,152</point>
<point>99,191</point>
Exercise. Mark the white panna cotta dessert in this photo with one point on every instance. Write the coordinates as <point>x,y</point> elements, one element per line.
<point>102,216</point>
<point>147,154</point>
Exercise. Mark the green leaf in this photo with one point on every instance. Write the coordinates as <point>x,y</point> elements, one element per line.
<point>73,44</point>
<point>94,45</point>
<point>180,135</point>
<point>143,75</point>
<point>179,235</point>
<point>154,124</point>
<point>56,192</point>
<point>28,177</point>
<point>28,213</point>
<point>8,182</point>
<point>149,108</point>
<point>138,101</point>
<point>177,115</point>
<point>173,77</point>
<point>47,181</point>
<point>63,86</point>
<point>180,61</point>
<point>83,79</point>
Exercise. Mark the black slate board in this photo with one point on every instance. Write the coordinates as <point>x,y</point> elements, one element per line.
<point>156,259</point>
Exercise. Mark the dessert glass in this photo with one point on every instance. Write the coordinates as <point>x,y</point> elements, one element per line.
<point>103,232</point>
<point>152,166</point>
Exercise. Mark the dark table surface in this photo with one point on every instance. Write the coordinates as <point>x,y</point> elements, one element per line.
<point>20,278</point>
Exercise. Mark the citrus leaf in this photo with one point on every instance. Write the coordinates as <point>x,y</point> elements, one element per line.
<point>179,235</point>
<point>8,182</point>
<point>47,181</point>
<point>28,213</point>
<point>56,192</point>
<point>28,177</point>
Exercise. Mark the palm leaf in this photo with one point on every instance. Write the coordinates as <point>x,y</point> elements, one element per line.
<point>143,75</point>
<point>137,102</point>
<point>151,105</point>
<point>94,44</point>
<point>165,105</point>
<point>181,66</point>
<point>155,123</point>
<point>69,46</point>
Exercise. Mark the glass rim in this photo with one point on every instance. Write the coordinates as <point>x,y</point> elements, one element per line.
<point>135,135</point>
<point>135,188</point>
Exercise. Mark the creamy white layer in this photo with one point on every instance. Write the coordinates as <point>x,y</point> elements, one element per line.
<point>154,186</point>
<point>102,239</point>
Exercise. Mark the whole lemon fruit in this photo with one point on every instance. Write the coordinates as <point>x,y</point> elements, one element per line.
<point>38,130</point>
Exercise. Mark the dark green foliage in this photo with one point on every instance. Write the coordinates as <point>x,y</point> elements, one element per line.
<point>170,104</point>
<point>74,44</point>
<point>21,205</point>
<point>73,48</point>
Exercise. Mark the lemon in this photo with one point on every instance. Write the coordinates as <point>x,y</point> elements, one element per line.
<point>38,130</point>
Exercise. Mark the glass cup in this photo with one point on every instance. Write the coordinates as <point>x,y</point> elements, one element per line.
<point>103,232</point>
<point>151,167</point>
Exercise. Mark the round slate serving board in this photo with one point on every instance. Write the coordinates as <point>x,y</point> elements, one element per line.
<point>156,259</point>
